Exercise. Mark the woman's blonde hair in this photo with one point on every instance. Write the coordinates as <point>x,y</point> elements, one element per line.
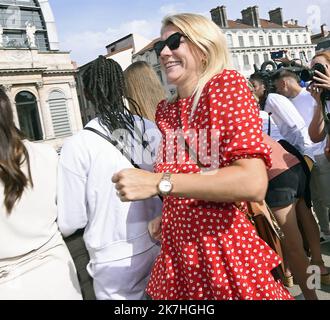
<point>144,88</point>
<point>209,40</point>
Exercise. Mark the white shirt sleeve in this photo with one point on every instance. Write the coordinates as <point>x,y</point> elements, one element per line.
<point>290,123</point>
<point>71,194</point>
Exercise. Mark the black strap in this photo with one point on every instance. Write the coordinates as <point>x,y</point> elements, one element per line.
<point>115,144</point>
<point>293,150</point>
<point>269,124</point>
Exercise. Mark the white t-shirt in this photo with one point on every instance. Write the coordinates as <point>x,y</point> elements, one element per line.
<point>306,104</point>
<point>290,123</point>
<point>87,197</point>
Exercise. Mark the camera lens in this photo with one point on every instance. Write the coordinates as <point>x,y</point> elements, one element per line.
<point>308,74</point>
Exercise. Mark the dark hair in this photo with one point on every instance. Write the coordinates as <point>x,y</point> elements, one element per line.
<point>284,73</point>
<point>12,155</point>
<point>105,86</point>
<point>264,79</point>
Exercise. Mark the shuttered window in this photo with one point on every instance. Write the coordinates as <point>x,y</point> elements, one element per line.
<point>59,113</point>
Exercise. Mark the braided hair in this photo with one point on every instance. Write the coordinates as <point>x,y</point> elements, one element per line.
<point>105,87</point>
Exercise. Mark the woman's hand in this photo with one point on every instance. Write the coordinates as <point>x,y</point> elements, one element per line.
<point>155,228</point>
<point>315,91</point>
<point>322,80</point>
<point>135,184</point>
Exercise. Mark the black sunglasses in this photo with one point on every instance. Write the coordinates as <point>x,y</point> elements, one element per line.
<point>173,42</point>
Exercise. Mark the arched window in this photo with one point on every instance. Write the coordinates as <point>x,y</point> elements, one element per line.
<point>14,15</point>
<point>28,115</point>
<point>59,113</point>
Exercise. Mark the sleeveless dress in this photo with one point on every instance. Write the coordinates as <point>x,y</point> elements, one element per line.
<point>210,251</point>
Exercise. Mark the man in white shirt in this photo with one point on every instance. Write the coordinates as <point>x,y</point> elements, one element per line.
<point>287,84</point>
<point>116,233</point>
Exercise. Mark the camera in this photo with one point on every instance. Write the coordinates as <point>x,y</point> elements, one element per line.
<point>309,74</point>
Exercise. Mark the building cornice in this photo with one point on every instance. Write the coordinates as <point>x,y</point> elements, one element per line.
<point>22,71</point>
<point>60,72</point>
<point>42,71</point>
<point>272,48</point>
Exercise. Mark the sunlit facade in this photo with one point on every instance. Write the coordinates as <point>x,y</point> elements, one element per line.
<point>37,76</point>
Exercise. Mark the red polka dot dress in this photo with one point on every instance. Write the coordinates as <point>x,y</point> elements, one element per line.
<point>210,251</point>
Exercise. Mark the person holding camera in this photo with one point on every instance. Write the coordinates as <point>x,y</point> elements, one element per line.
<point>320,85</point>
<point>288,189</point>
<point>287,84</point>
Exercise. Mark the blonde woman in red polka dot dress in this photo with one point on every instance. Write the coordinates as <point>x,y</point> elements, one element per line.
<point>210,250</point>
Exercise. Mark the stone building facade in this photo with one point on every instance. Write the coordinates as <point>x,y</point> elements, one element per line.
<point>38,77</point>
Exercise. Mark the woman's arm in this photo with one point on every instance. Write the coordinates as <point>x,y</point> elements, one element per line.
<point>244,180</point>
<point>316,128</point>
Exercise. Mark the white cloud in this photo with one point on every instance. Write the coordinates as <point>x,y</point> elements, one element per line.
<point>87,45</point>
<point>171,8</point>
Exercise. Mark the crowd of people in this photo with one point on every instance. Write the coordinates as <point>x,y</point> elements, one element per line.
<point>154,181</point>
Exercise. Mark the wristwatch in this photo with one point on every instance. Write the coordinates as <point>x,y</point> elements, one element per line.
<point>165,185</point>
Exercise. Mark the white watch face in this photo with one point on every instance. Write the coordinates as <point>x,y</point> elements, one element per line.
<point>165,186</point>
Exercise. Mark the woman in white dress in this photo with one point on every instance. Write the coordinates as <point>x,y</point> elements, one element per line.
<point>34,261</point>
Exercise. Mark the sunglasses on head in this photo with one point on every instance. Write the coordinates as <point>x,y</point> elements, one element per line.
<point>173,42</point>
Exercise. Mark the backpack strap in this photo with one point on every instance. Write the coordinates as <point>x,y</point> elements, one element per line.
<point>116,144</point>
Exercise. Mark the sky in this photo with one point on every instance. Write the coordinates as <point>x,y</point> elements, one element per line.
<point>85,28</point>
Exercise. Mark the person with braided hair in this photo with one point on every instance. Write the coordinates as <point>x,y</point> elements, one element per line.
<point>116,234</point>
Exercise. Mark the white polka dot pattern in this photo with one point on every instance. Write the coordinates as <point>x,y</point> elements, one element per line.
<point>210,251</point>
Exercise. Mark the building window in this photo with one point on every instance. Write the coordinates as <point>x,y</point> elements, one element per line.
<point>241,41</point>
<point>236,62</point>
<point>289,39</point>
<point>28,115</point>
<point>280,39</point>
<point>230,40</point>
<point>271,42</point>
<point>246,62</point>
<point>297,38</point>
<point>251,40</point>
<point>266,57</point>
<point>309,55</point>
<point>59,113</point>
<point>302,56</point>
<point>14,19</point>
<point>256,59</point>
<point>262,41</point>
<point>305,38</point>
